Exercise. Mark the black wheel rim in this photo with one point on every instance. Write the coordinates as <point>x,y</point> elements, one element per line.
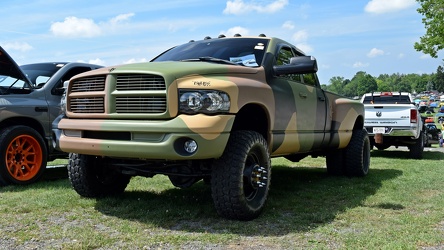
<point>255,178</point>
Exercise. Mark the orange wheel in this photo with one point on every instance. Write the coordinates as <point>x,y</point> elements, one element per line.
<point>24,155</point>
<point>23,158</point>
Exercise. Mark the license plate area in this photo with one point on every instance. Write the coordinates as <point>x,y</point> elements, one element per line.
<point>378,130</point>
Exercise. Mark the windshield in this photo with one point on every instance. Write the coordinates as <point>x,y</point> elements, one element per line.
<point>38,74</point>
<point>242,51</point>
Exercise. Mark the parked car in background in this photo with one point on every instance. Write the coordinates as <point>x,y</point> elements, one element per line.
<point>29,102</point>
<point>433,134</point>
<point>392,119</point>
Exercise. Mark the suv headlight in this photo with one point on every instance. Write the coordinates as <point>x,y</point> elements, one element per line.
<point>203,101</point>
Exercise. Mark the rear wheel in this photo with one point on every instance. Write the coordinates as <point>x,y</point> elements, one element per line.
<point>241,177</point>
<point>357,154</point>
<point>417,148</point>
<point>91,177</point>
<point>24,155</point>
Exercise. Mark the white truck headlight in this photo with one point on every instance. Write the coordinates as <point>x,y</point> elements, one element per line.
<point>203,101</point>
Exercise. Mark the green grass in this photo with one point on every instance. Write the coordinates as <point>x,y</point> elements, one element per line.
<point>399,205</point>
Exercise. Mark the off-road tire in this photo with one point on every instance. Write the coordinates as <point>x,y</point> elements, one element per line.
<point>417,149</point>
<point>23,155</point>
<point>335,161</point>
<point>240,178</point>
<point>91,177</point>
<point>357,154</point>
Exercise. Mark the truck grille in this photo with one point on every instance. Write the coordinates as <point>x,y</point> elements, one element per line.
<point>140,104</point>
<point>87,105</point>
<point>88,84</point>
<point>140,82</point>
<point>133,93</point>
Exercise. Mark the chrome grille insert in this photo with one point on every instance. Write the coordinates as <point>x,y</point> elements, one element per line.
<point>140,82</point>
<point>141,104</point>
<point>87,84</point>
<point>87,105</point>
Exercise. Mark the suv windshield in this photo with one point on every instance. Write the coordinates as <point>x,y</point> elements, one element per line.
<point>242,51</point>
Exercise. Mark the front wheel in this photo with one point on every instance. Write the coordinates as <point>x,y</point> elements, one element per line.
<point>240,179</point>
<point>23,155</point>
<point>91,177</point>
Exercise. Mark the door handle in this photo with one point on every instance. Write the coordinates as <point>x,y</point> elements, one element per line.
<point>41,109</point>
<point>302,95</point>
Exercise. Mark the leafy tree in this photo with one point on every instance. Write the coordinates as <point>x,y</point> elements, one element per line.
<point>438,79</point>
<point>364,82</point>
<point>383,86</point>
<point>433,20</point>
<point>337,85</point>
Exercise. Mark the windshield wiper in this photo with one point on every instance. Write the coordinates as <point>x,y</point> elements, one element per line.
<point>209,59</point>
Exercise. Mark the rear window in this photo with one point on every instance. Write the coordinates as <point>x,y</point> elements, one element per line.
<point>387,99</point>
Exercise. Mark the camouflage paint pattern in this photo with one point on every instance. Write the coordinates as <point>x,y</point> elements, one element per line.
<point>301,118</point>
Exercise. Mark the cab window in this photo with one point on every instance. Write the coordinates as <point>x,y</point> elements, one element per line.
<point>283,58</point>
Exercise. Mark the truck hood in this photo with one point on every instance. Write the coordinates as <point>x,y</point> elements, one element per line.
<point>181,69</point>
<point>8,67</point>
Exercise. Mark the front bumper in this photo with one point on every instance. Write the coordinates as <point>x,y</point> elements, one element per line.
<point>142,139</point>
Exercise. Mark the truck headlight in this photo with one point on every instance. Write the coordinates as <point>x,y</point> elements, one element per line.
<point>203,101</point>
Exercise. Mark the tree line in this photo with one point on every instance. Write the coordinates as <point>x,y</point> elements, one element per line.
<point>362,83</point>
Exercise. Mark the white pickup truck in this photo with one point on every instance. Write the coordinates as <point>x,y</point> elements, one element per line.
<point>392,119</point>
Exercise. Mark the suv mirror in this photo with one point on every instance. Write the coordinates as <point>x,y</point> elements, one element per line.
<point>298,65</point>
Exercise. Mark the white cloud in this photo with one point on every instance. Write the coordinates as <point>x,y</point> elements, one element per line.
<point>76,27</point>
<point>360,65</point>
<point>300,36</point>
<point>375,52</point>
<point>133,60</point>
<point>384,6</point>
<point>81,27</point>
<point>121,18</point>
<point>300,39</point>
<point>307,49</point>
<point>236,30</point>
<point>21,46</point>
<point>289,25</point>
<point>238,7</point>
<point>97,61</point>
<point>401,55</point>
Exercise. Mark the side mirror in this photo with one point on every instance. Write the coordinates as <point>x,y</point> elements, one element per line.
<point>298,65</point>
<point>60,90</point>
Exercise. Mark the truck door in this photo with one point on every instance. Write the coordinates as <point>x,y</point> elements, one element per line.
<point>300,113</point>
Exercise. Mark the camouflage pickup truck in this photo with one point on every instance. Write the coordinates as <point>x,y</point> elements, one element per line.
<point>214,110</point>
<point>29,102</point>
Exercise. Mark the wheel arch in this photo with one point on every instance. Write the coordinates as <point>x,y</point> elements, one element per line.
<point>253,117</point>
<point>359,123</point>
<point>29,122</point>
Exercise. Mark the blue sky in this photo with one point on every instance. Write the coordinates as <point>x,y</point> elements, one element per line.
<point>375,36</point>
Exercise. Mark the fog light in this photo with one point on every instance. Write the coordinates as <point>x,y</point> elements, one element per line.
<point>190,146</point>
